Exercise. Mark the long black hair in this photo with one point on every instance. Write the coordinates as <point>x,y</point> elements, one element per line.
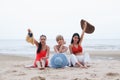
<point>40,45</point>
<point>75,34</point>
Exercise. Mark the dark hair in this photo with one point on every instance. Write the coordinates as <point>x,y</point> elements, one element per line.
<point>40,45</point>
<point>75,34</point>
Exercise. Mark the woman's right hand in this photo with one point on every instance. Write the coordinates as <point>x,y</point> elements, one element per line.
<point>85,26</point>
<point>29,30</point>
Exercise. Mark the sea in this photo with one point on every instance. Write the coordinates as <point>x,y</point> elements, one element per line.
<point>22,47</point>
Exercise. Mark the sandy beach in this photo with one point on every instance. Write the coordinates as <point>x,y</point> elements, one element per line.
<point>105,65</point>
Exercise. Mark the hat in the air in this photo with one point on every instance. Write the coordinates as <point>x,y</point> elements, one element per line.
<point>59,60</point>
<point>90,28</point>
<point>30,38</point>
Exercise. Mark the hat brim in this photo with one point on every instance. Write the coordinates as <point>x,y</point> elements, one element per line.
<point>64,60</point>
<point>90,28</point>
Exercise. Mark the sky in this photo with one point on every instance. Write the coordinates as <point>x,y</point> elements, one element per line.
<point>54,17</point>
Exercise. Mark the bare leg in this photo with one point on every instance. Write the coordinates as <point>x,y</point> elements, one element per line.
<point>82,65</point>
<point>38,64</point>
<point>43,64</point>
<point>79,65</point>
<point>86,64</point>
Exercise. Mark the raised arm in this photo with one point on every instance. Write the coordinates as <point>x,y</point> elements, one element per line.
<point>35,41</point>
<point>83,31</point>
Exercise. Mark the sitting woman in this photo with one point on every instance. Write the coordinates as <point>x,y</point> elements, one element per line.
<point>59,59</point>
<point>77,57</point>
<point>42,53</point>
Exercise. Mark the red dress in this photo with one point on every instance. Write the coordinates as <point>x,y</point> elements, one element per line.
<point>39,55</point>
<point>76,49</point>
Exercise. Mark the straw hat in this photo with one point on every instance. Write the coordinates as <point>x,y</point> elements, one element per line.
<point>59,60</point>
<point>90,28</point>
<point>29,38</point>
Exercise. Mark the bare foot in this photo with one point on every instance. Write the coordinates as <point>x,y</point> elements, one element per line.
<point>85,67</point>
<point>29,66</point>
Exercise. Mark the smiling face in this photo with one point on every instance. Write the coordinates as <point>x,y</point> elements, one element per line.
<point>43,39</point>
<point>75,39</point>
<point>60,40</point>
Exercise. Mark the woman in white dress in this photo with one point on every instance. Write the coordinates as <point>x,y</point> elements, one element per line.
<point>78,58</point>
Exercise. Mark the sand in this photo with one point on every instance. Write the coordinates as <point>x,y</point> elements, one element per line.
<point>105,65</point>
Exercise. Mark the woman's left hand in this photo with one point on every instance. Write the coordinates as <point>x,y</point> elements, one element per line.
<point>44,58</point>
<point>85,26</point>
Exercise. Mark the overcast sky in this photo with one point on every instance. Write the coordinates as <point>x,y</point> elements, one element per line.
<point>53,17</point>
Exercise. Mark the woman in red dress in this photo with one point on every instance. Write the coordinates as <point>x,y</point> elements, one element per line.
<point>42,53</point>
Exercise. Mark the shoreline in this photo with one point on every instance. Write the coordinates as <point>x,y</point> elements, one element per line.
<point>89,51</point>
<point>93,54</point>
